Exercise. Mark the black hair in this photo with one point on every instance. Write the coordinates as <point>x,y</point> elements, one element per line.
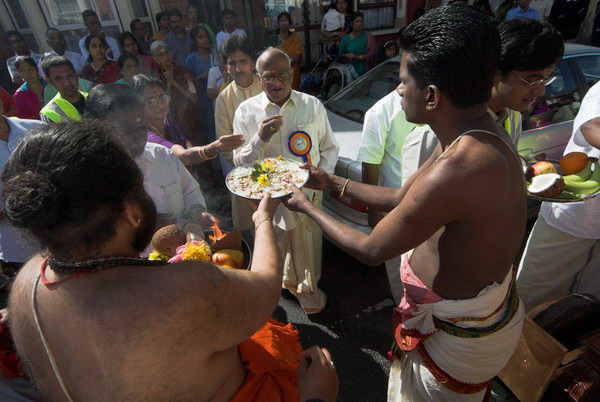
<point>381,57</point>
<point>124,57</point>
<point>285,14</point>
<point>355,15</point>
<point>529,45</point>
<point>124,35</point>
<point>88,13</point>
<point>235,43</point>
<point>194,33</point>
<point>132,24</point>
<point>25,59</point>
<point>174,11</point>
<point>485,5</point>
<point>141,81</point>
<point>53,60</point>
<point>159,17</point>
<point>66,183</point>
<point>87,42</point>
<point>51,30</point>
<point>456,48</point>
<point>8,34</point>
<point>225,12</point>
<point>107,98</point>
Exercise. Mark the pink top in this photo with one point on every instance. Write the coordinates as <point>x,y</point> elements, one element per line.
<point>27,104</point>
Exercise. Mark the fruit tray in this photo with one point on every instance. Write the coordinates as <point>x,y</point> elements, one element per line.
<point>565,196</point>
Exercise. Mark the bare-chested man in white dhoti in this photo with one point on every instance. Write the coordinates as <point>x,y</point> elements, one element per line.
<point>463,212</point>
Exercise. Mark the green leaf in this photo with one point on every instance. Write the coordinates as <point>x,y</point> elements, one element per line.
<point>256,166</point>
<point>254,175</point>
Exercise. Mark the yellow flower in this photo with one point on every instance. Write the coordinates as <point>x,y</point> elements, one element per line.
<point>267,166</point>
<point>196,252</point>
<point>157,255</point>
<point>263,180</point>
<point>280,158</point>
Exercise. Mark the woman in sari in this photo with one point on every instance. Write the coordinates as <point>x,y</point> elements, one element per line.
<point>290,43</point>
<point>164,131</point>
<point>129,44</point>
<point>179,84</point>
<point>29,98</point>
<point>199,63</point>
<point>359,46</point>
<point>99,70</point>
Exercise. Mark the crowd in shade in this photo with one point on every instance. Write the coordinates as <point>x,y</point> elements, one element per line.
<point>114,160</point>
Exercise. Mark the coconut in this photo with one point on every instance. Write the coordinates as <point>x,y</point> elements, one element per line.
<point>547,185</point>
<point>167,239</point>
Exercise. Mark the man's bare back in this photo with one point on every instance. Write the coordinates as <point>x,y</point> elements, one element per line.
<point>128,333</point>
<point>464,215</point>
<point>484,184</point>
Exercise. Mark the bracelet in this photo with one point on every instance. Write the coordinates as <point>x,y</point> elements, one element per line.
<point>202,152</point>
<point>258,225</point>
<point>344,189</point>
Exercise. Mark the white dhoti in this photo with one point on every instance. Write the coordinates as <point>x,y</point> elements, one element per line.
<point>301,248</point>
<point>452,348</point>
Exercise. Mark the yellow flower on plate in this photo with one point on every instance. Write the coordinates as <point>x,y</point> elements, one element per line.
<point>263,180</point>
<point>196,251</point>
<point>267,165</point>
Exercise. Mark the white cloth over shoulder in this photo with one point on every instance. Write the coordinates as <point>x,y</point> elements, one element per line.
<point>167,181</point>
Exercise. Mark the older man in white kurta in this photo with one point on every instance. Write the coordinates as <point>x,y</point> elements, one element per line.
<point>267,121</point>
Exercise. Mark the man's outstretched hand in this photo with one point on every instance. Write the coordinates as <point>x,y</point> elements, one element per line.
<point>298,201</point>
<point>318,179</point>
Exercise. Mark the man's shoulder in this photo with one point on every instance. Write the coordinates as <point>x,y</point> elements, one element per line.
<point>390,104</point>
<point>22,126</point>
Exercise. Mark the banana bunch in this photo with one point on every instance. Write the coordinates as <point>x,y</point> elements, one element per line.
<point>586,181</point>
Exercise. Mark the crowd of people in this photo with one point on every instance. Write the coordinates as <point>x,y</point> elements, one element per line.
<point>127,145</point>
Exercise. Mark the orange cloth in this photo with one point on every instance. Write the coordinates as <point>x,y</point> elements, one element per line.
<point>293,46</point>
<point>271,358</point>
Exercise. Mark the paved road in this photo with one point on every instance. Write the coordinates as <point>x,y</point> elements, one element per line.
<point>355,330</point>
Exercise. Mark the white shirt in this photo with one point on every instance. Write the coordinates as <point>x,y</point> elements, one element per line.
<point>215,78</point>
<point>12,69</point>
<point>301,112</point>
<point>543,7</point>
<point>384,133</point>
<point>222,36</point>
<point>75,58</point>
<point>112,43</point>
<point>166,180</point>
<point>333,20</point>
<point>579,219</point>
<point>12,246</point>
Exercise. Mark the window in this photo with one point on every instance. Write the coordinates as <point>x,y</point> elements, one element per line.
<point>378,14</point>
<point>17,15</point>
<point>294,7</point>
<point>560,103</point>
<point>590,67</point>
<point>66,16</point>
<point>365,92</point>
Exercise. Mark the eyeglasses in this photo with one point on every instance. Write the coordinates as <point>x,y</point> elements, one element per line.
<point>270,77</point>
<point>542,81</point>
<point>157,100</point>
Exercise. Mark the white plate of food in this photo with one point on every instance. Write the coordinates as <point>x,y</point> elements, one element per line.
<point>276,176</point>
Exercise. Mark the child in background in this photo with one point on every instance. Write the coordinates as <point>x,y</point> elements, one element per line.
<point>387,51</point>
<point>129,66</point>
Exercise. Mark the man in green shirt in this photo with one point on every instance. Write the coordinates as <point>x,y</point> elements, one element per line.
<point>69,103</point>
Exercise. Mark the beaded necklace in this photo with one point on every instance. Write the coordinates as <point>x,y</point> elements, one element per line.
<point>76,269</point>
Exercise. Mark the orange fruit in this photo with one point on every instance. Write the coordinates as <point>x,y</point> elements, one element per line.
<point>573,162</point>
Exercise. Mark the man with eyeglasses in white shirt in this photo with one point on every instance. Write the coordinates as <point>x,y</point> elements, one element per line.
<point>281,121</point>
